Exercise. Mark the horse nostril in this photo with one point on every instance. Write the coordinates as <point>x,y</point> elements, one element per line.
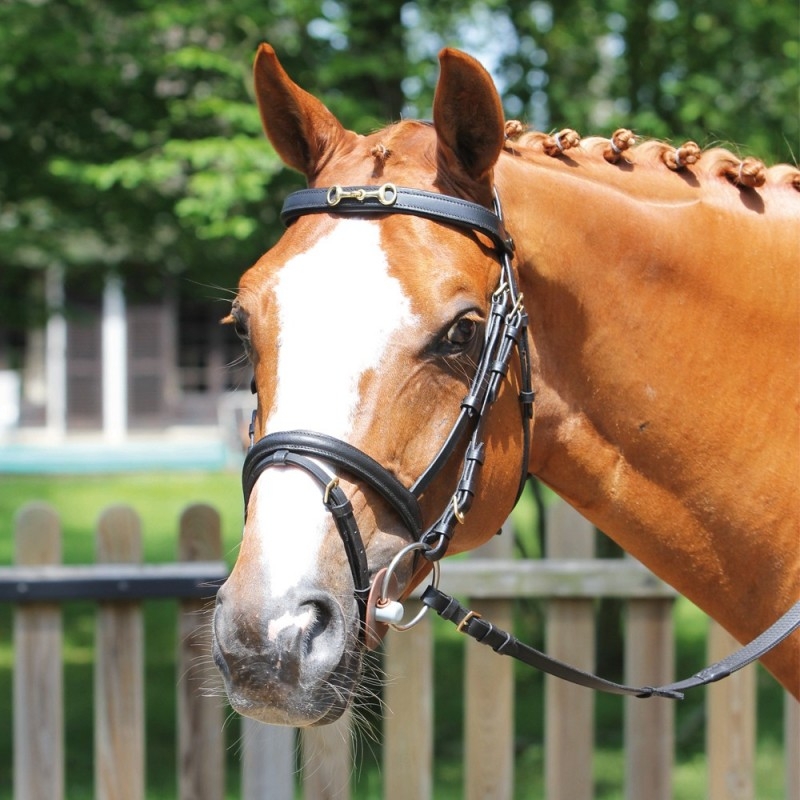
<point>323,625</point>
<point>319,623</point>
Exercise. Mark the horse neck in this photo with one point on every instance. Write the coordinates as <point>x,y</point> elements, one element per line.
<point>665,337</point>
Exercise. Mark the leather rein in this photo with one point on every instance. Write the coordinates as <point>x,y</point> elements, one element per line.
<point>506,332</point>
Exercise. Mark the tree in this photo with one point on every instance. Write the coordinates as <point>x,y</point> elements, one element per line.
<point>713,71</point>
<point>131,142</point>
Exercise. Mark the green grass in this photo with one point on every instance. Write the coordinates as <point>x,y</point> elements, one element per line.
<point>159,499</point>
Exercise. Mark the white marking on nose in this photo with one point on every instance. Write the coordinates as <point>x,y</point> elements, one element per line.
<point>275,626</point>
<point>338,312</point>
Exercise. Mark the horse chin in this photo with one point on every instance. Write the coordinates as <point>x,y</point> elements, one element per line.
<point>309,707</point>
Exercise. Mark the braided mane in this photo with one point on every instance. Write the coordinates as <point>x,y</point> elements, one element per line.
<point>621,148</point>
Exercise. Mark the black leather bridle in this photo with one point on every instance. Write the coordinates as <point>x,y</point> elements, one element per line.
<point>505,332</point>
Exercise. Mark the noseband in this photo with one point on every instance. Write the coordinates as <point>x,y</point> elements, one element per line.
<point>505,332</point>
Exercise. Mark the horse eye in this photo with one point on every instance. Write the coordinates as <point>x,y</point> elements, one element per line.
<point>462,332</point>
<point>240,324</point>
<point>240,329</point>
<point>240,321</point>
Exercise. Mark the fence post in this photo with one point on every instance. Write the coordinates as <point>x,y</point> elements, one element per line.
<point>38,672</point>
<point>649,724</point>
<point>569,709</point>
<point>731,727</point>
<point>408,721</point>
<point>201,747</point>
<point>267,761</point>
<point>791,744</point>
<point>119,669</point>
<point>489,698</point>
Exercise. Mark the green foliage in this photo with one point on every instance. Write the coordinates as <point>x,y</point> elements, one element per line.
<point>710,71</point>
<point>130,140</point>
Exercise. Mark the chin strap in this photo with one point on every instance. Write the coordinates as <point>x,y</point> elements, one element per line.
<point>505,644</point>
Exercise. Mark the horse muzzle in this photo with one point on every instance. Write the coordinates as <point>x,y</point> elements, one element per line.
<point>290,649</point>
<point>292,660</point>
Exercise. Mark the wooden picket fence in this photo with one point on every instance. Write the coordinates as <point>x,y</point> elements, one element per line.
<point>569,579</point>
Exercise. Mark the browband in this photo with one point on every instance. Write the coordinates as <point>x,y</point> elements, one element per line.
<point>391,199</point>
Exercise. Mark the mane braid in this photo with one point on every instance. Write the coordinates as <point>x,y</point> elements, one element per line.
<point>749,172</point>
<point>681,157</point>
<point>622,146</point>
<point>620,141</point>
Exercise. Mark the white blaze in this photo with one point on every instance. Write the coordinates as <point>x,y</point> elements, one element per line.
<point>338,311</point>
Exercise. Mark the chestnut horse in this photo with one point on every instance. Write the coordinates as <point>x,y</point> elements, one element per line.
<point>663,341</point>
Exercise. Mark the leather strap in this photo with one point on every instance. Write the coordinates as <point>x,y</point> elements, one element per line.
<point>335,500</point>
<point>344,456</point>
<point>784,626</point>
<point>416,202</point>
<point>505,644</point>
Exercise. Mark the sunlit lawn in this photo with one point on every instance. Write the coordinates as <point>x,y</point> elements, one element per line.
<point>159,499</point>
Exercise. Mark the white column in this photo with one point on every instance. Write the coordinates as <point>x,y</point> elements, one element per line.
<point>115,361</point>
<point>55,354</point>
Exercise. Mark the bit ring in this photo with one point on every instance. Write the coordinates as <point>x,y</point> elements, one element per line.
<point>397,626</point>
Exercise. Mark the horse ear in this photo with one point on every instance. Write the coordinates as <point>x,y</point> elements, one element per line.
<point>467,115</point>
<point>302,130</point>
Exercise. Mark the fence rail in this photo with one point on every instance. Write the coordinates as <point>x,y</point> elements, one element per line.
<point>38,583</point>
<point>570,580</point>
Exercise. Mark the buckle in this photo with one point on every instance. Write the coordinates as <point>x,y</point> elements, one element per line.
<point>470,615</point>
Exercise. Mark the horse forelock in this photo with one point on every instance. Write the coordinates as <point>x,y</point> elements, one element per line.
<point>407,149</point>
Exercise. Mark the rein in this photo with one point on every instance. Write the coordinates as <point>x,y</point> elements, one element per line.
<point>471,623</point>
<point>505,332</point>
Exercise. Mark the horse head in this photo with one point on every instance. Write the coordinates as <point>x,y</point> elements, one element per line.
<point>365,330</point>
